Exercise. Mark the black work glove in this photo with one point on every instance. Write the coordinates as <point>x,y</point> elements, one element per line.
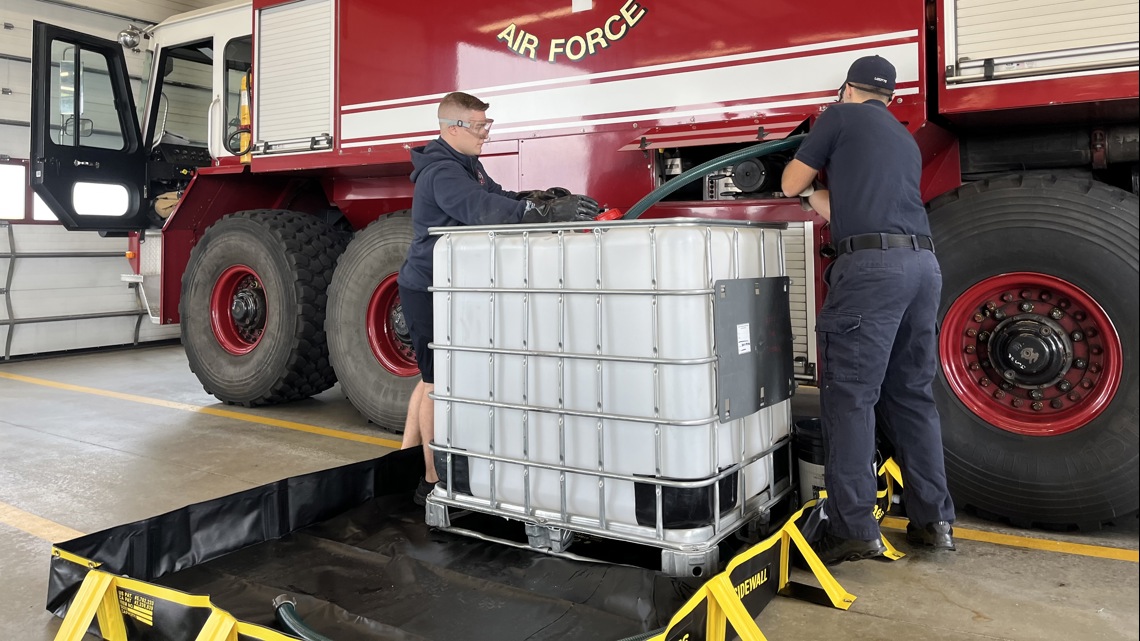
<point>564,209</point>
<point>543,194</point>
<point>557,192</point>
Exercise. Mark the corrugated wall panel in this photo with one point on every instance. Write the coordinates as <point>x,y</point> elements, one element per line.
<point>55,287</point>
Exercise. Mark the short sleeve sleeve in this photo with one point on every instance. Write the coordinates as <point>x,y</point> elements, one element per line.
<point>817,148</point>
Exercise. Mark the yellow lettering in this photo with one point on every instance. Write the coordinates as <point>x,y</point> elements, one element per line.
<point>577,47</point>
<point>751,583</point>
<point>621,32</point>
<point>557,46</point>
<point>629,9</point>
<point>508,35</point>
<point>581,44</point>
<point>595,37</point>
<point>528,44</point>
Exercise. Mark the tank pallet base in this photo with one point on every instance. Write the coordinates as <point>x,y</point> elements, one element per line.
<point>676,559</point>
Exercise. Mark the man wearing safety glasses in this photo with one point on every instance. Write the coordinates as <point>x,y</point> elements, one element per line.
<point>453,189</point>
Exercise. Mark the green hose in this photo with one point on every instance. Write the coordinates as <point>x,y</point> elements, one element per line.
<point>755,151</point>
<point>287,615</point>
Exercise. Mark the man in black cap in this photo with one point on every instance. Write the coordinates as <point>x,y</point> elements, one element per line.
<point>877,335</point>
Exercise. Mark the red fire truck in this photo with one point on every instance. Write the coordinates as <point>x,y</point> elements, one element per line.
<point>270,221</point>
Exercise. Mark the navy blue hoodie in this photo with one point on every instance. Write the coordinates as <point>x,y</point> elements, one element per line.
<point>452,189</point>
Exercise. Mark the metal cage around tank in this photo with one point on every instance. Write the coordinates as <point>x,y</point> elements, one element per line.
<point>522,405</point>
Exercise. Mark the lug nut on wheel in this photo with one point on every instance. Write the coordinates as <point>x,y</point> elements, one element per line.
<point>1038,406</point>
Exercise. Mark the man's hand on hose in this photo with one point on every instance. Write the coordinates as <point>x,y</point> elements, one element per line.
<point>563,209</point>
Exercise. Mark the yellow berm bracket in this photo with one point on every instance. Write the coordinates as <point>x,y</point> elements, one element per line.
<point>110,600</point>
<point>727,605</point>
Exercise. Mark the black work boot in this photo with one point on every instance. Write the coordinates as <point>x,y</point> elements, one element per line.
<point>422,491</point>
<point>833,550</point>
<point>938,535</point>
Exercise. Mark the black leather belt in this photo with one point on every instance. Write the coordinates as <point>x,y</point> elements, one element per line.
<point>884,241</point>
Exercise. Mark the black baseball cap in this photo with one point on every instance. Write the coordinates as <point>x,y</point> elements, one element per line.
<point>873,71</point>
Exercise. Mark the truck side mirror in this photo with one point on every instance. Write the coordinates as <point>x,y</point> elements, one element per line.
<point>86,126</point>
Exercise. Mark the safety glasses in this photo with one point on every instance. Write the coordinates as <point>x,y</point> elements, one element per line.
<point>479,127</point>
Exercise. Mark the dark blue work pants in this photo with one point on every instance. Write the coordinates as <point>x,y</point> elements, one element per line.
<point>877,340</point>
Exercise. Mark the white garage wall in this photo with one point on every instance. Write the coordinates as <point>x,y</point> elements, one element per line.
<point>62,290</point>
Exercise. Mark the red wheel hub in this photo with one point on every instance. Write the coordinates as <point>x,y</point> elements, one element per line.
<point>388,331</point>
<point>238,310</point>
<point>1030,353</point>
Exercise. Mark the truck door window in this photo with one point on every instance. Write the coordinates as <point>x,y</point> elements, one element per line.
<point>82,109</point>
<point>239,61</point>
<point>181,112</point>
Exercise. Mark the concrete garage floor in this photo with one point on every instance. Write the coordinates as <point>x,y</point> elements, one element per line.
<point>95,440</point>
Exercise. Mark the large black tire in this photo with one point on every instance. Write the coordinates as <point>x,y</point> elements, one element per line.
<point>365,273</point>
<point>1085,233</point>
<point>292,255</point>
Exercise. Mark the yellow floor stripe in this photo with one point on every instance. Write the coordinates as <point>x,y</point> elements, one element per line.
<point>212,411</point>
<point>1048,545</point>
<point>33,524</point>
<point>37,526</point>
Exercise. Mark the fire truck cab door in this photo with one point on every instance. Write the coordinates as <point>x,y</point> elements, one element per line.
<point>88,163</point>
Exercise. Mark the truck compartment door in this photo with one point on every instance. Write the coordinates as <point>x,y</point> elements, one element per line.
<point>997,39</point>
<point>88,164</point>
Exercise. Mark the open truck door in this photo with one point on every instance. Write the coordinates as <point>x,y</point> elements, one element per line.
<point>88,161</point>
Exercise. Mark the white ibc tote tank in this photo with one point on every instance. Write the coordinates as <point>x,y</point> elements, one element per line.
<point>576,375</point>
